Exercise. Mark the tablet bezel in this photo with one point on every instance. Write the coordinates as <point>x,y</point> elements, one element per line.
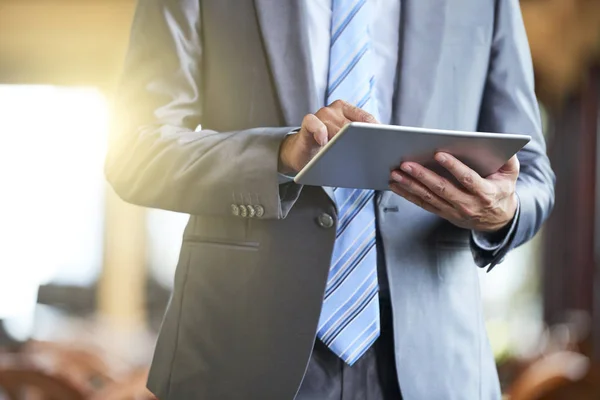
<point>499,145</point>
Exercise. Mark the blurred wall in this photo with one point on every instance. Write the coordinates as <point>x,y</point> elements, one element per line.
<point>72,44</point>
<point>83,42</point>
<point>564,37</point>
<point>65,42</point>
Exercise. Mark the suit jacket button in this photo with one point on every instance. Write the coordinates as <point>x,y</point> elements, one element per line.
<point>243,211</point>
<point>235,210</point>
<point>251,211</point>
<point>260,211</point>
<point>325,221</point>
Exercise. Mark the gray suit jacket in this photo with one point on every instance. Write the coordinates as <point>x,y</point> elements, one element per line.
<point>249,285</point>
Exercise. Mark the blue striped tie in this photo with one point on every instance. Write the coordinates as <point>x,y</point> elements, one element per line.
<point>349,322</point>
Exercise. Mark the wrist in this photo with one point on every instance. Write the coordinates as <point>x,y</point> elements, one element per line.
<point>512,209</point>
<point>284,165</point>
<point>510,215</point>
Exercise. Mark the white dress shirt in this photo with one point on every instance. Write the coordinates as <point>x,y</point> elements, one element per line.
<point>385,34</point>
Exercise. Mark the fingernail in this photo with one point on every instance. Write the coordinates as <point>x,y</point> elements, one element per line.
<point>397,177</point>
<point>406,168</point>
<point>441,158</point>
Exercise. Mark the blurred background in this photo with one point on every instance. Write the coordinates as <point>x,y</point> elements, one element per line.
<point>85,278</point>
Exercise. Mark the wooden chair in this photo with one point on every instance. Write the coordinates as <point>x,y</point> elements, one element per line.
<point>548,374</point>
<point>561,371</point>
<point>24,378</point>
<point>54,371</point>
<point>82,366</point>
<point>85,367</point>
<point>131,388</point>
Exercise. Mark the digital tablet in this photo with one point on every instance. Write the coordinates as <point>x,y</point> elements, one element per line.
<point>363,155</point>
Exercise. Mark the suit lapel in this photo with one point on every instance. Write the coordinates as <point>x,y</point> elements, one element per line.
<point>422,28</point>
<point>286,44</point>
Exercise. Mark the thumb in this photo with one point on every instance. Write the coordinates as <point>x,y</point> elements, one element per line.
<point>511,167</point>
<point>314,131</point>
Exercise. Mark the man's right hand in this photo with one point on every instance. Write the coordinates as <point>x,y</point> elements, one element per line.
<point>317,129</point>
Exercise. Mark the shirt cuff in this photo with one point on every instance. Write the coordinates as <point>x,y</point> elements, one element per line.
<point>284,179</point>
<point>493,242</point>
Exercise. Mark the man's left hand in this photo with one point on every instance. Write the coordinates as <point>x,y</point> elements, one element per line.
<point>481,204</point>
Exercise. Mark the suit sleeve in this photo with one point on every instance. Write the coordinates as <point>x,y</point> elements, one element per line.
<point>510,105</point>
<point>157,157</point>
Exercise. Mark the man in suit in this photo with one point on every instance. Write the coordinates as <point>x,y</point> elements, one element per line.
<point>284,291</point>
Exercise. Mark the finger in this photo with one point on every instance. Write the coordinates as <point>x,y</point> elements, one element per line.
<point>354,113</point>
<point>316,129</point>
<point>416,200</point>
<point>417,189</point>
<point>442,187</point>
<point>468,178</point>
<point>333,118</point>
<point>333,127</point>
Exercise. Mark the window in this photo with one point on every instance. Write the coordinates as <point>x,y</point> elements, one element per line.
<point>52,146</point>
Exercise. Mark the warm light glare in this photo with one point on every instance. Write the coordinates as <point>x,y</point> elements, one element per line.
<point>52,145</point>
<point>165,233</point>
